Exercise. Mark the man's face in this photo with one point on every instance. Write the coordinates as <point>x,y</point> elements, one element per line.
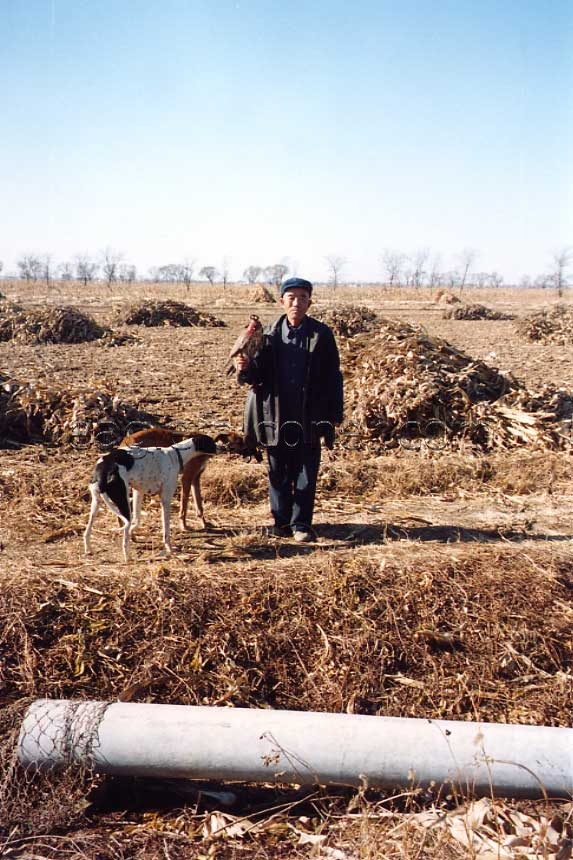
<point>296,303</point>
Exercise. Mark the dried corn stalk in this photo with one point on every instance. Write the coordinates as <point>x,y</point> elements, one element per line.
<point>168,313</point>
<point>48,325</point>
<point>548,326</point>
<point>475,312</point>
<point>401,382</point>
<point>35,412</point>
<point>349,320</point>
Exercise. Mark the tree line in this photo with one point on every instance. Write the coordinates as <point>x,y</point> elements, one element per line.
<point>397,269</point>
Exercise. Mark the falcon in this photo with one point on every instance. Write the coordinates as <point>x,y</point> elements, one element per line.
<point>248,342</point>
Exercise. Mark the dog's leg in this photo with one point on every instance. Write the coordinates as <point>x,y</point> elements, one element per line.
<point>166,519</point>
<point>125,541</point>
<point>93,513</point>
<point>197,500</point>
<point>136,509</point>
<point>186,484</point>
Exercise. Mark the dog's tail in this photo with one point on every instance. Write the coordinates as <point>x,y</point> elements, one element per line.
<point>110,483</point>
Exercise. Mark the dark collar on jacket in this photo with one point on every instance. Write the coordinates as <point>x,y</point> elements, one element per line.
<point>313,330</point>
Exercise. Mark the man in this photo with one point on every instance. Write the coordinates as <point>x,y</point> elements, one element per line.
<point>294,402</point>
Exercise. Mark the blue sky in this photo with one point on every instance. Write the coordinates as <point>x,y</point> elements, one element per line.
<point>259,131</point>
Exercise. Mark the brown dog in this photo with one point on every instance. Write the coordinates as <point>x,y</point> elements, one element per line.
<point>163,437</point>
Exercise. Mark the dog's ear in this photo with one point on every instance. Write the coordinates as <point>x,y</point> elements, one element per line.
<point>204,444</point>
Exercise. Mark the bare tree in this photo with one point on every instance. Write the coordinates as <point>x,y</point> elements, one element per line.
<point>47,273</point>
<point>168,273</point>
<point>209,273</point>
<point>30,267</point>
<point>275,275</point>
<point>335,266</point>
<point>127,273</point>
<point>225,272</point>
<point>481,279</point>
<point>452,279</point>
<point>467,258</point>
<point>86,269</point>
<point>110,265</point>
<point>561,261</point>
<point>66,271</point>
<point>186,272</point>
<point>393,263</point>
<point>435,274</point>
<point>543,281</point>
<point>419,260</point>
<point>252,274</point>
<point>495,280</point>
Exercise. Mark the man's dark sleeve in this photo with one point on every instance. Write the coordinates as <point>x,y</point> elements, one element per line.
<point>337,387</point>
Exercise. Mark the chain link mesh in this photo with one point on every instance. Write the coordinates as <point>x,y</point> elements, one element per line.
<point>47,760</point>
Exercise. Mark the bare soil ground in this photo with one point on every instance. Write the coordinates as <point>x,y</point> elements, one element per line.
<point>410,544</point>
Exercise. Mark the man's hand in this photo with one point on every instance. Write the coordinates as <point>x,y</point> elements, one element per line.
<point>241,362</point>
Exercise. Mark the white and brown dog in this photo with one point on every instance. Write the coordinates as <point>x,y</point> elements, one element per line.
<point>164,437</point>
<point>147,471</point>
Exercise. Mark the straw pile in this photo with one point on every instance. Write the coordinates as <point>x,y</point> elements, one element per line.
<point>262,295</point>
<point>402,381</point>
<point>444,297</point>
<point>48,325</point>
<point>350,320</point>
<point>548,326</point>
<point>37,413</point>
<point>475,312</point>
<point>169,313</point>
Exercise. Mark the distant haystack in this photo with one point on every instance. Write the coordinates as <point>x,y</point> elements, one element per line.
<point>444,297</point>
<point>262,295</point>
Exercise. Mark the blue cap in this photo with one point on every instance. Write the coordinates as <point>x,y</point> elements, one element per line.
<point>296,284</point>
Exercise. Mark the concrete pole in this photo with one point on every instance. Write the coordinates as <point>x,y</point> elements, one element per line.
<point>298,747</point>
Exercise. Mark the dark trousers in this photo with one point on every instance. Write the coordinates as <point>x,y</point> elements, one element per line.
<point>292,483</point>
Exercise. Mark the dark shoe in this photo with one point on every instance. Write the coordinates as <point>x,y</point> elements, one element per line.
<point>301,536</point>
<point>278,531</point>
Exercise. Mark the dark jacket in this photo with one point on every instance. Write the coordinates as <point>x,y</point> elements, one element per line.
<point>322,395</point>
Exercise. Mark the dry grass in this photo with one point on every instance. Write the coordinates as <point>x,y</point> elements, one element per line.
<point>441,586</point>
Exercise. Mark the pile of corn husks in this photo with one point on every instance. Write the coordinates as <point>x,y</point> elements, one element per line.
<point>168,313</point>
<point>549,326</point>
<point>350,320</point>
<point>401,383</point>
<point>47,325</point>
<point>475,312</point>
<point>37,413</point>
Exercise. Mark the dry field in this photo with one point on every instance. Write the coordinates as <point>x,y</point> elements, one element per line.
<point>440,586</point>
